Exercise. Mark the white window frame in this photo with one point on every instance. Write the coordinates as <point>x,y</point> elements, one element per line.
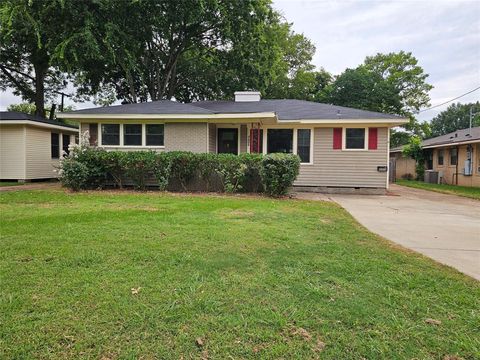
<point>344,138</point>
<point>295,139</point>
<point>144,136</point>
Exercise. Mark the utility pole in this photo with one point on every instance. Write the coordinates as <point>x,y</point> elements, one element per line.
<point>471,116</point>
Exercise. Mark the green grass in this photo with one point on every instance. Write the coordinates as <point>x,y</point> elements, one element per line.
<point>466,191</point>
<point>245,275</point>
<point>9,183</point>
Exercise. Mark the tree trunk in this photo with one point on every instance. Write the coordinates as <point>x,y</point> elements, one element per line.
<point>39,91</point>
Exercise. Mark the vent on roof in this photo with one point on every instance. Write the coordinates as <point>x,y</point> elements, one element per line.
<point>247,96</point>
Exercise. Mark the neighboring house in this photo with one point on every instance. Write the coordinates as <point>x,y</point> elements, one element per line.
<point>339,147</point>
<point>31,146</point>
<point>455,157</point>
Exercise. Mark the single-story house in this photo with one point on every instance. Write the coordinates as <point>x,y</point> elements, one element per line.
<point>453,158</point>
<point>31,146</point>
<point>339,147</point>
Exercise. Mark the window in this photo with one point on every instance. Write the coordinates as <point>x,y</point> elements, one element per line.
<point>429,159</point>
<point>280,141</point>
<point>110,134</point>
<point>303,144</point>
<point>440,158</point>
<point>355,138</point>
<point>55,145</point>
<point>155,134</point>
<point>132,135</point>
<point>453,156</point>
<point>65,143</point>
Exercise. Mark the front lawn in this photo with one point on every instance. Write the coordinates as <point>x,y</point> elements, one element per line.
<point>466,191</point>
<point>123,275</point>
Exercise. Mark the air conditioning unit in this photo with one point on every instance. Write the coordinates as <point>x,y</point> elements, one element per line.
<point>467,170</point>
<point>431,177</point>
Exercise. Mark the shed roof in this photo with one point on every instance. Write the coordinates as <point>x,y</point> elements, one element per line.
<point>21,116</point>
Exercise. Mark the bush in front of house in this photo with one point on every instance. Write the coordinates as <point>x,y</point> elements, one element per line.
<point>95,168</point>
<point>278,172</point>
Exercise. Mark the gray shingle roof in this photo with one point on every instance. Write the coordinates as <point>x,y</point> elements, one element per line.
<point>18,116</point>
<point>290,109</point>
<point>152,107</point>
<point>286,109</point>
<point>454,137</point>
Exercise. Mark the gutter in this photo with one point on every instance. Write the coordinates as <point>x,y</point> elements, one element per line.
<point>452,144</point>
<point>38,124</point>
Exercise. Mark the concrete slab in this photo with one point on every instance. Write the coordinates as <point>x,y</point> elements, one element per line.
<point>443,227</point>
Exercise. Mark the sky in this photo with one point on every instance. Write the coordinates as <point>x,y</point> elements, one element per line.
<point>443,35</point>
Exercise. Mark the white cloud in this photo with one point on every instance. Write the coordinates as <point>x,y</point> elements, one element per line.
<point>443,35</point>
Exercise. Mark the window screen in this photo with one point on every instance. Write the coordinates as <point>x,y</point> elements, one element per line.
<point>453,156</point>
<point>65,143</point>
<point>303,144</point>
<point>354,138</point>
<point>55,145</point>
<point>132,134</point>
<point>280,141</point>
<point>110,134</point>
<point>155,134</point>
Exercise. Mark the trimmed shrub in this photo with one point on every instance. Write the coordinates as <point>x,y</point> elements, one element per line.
<point>163,170</point>
<point>253,181</point>
<point>183,166</point>
<point>114,162</point>
<point>232,172</point>
<point>207,167</point>
<point>93,168</point>
<point>139,166</point>
<point>278,172</point>
<point>74,174</point>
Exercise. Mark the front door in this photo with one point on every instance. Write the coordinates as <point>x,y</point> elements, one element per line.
<point>227,141</point>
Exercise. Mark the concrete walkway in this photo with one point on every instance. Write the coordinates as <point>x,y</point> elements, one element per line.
<point>443,227</point>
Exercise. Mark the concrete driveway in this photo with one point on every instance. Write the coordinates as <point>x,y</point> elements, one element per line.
<point>443,227</point>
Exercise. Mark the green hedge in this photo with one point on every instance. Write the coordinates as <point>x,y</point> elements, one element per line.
<point>95,168</point>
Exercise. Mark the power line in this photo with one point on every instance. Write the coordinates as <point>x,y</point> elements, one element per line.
<point>446,102</point>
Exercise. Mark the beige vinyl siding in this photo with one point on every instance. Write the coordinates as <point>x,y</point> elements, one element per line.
<point>186,137</point>
<point>12,152</point>
<point>340,168</point>
<point>212,138</point>
<point>39,162</point>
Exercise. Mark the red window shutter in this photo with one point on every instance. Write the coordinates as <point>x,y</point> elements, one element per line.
<point>337,138</point>
<point>372,138</point>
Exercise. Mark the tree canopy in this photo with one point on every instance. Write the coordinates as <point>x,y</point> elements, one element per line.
<point>455,117</point>
<point>392,83</point>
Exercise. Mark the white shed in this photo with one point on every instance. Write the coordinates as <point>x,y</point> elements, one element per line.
<point>31,146</point>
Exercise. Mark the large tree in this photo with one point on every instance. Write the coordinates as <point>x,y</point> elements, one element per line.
<point>392,83</point>
<point>192,50</point>
<point>39,40</point>
<point>455,117</point>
